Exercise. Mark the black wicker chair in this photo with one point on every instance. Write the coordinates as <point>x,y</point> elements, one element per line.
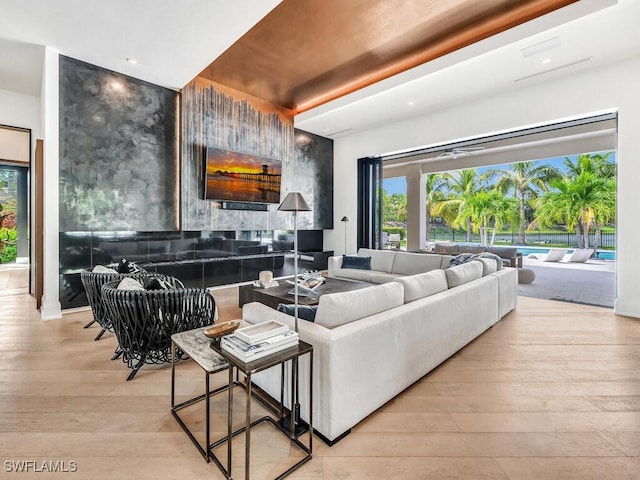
<point>144,320</point>
<point>93,282</point>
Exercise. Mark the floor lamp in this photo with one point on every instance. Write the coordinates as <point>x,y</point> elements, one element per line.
<point>345,219</point>
<point>294,202</point>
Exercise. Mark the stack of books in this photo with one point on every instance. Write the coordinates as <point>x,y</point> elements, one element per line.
<point>259,340</point>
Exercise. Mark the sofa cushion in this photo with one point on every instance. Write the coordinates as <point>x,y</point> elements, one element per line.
<point>414,263</point>
<point>305,312</point>
<point>382,277</point>
<point>448,248</point>
<point>465,273</point>
<point>355,274</point>
<point>489,265</point>
<point>472,249</point>
<point>423,284</point>
<point>335,309</point>
<point>504,252</point>
<point>492,256</point>
<point>381,260</point>
<point>357,262</point>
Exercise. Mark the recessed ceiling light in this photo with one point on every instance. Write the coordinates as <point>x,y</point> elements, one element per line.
<point>411,103</point>
<point>132,61</point>
<point>546,60</point>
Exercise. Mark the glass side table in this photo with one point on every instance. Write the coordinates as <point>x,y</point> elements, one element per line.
<point>290,354</point>
<point>197,346</point>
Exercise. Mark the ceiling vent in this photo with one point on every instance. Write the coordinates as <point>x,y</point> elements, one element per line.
<point>537,48</point>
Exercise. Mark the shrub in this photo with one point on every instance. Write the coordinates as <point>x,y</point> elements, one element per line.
<point>401,230</point>
<point>8,254</point>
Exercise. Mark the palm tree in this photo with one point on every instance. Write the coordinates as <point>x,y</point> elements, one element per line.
<point>486,209</point>
<point>525,180</point>
<point>580,202</point>
<point>463,183</point>
<point>394,207</point>
<point>435,186</point>
<point>597,163</point>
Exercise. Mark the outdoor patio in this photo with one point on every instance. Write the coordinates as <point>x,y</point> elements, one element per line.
<point>590,283</point>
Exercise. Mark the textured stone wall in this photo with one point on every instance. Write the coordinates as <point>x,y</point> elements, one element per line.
<point>119,157</point>
<point>216,116</point>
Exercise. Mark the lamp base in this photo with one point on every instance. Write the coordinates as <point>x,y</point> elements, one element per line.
<point>299,428</point>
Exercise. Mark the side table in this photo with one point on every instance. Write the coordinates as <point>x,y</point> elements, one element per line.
<point>291,354</point>
<point>197,346</point>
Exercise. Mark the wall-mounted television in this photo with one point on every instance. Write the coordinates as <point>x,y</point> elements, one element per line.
<point>241,177</point>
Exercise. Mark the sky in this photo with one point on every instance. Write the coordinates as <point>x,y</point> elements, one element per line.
<point>399,184</point>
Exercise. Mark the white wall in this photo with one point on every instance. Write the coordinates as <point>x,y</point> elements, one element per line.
<point>18,110</point>
<point>50,127</point>
<point>611,87</point>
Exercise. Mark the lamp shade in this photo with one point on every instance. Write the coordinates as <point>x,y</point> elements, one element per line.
<point>345,219</point>
<point>294,202</point>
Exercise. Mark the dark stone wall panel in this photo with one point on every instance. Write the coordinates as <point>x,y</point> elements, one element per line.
<point>313,176</point>
<point>119,157</point>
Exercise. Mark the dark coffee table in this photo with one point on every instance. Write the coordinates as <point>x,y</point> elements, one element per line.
<point>280,294</point>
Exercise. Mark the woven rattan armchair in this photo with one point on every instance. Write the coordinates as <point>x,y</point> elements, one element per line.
<point>93,282</point>
<point>144,320</point>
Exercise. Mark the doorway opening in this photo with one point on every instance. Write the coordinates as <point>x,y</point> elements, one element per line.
<point>454,173</point>
<point>14,210</point>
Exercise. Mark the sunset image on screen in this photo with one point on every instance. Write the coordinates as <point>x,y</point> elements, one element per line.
<point>236,176</point>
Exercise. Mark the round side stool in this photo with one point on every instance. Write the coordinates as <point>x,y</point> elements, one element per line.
<point>526,275</point>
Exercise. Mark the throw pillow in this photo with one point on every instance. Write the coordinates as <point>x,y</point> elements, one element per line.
<point>358,263</point>
<point>130,284</point>
<point>126,266</point>
<point>305,312</point>
<point>155,283</point>
<point>103,269</point>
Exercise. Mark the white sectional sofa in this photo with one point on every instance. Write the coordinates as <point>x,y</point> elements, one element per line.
<point>371,344</point>
<point>387,265</point>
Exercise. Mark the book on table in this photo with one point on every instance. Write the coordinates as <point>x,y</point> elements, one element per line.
<point>259,331</point>
<point>248,352</point>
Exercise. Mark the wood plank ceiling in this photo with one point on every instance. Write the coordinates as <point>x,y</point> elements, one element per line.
<point>308,52</point>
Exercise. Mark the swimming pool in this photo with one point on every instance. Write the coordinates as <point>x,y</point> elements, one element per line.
<point>601,254</point>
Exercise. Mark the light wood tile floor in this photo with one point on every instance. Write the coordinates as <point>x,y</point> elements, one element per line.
<point>551,392</point>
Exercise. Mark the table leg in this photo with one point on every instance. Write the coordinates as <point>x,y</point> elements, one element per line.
<point>310,402</point>
<point>173,374</point>
<point>295,410</point>
<point>247,452</point>
<point>230,421</point>
<point>207,416</point>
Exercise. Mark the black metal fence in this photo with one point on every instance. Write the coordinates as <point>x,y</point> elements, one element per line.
<point>607,239</point>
